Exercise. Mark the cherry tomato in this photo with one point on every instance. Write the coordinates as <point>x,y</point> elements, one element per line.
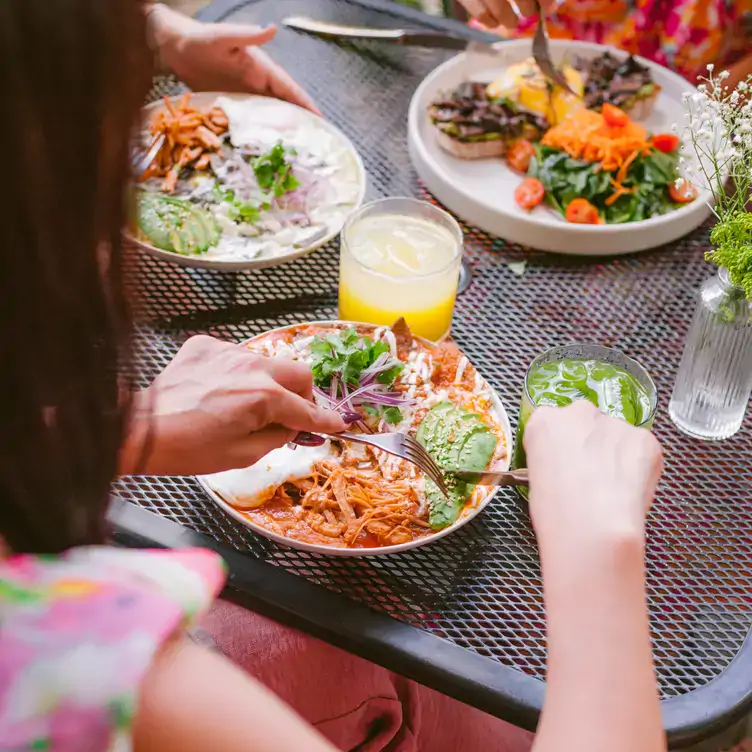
<point>614,116</point>
<point>529,193</point>
<point>582,212</point>
<point>519,154</point>
<point>685,194</point>
<point>666,142</point>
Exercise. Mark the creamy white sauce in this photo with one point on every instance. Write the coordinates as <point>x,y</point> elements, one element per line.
<point>252,486</point>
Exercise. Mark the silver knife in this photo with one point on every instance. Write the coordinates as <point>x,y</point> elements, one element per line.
<point>407,37</point>
<point>492,478</point>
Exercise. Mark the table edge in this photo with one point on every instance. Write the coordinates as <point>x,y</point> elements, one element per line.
<point>482,682</point>
<point>397,646</point>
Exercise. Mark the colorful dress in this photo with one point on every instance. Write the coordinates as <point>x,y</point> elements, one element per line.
<point>78,634</point>
<point>684,35</point>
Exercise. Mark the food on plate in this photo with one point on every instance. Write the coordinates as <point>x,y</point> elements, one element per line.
<point>348,495</point>
<point>626,84</point>
<point>581,212</point>
<point>264,177</point>
<point>519,154</point>
<point>610,166</point>
<point>529,193</point>
<point>173,224</point>
<point>191,137</point>
<point>471,125</point>
<point>682,191</point>
<point>525,85</point>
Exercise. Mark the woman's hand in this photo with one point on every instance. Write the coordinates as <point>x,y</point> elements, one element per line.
<point>222,57</point>
<point>216,407</point>
<point>592,479</point>
<point>503,12</point>
<point>590,475</point>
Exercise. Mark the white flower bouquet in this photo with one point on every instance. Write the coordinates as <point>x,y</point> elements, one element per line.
<point>718,125</point>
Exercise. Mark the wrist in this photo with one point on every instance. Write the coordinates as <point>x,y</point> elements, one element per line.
<point>136,449</point>
<point>592,551</point>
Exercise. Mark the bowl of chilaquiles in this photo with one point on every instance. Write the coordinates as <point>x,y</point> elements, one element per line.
<point>348,499</point>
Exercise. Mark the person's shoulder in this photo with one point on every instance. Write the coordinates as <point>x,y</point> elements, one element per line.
<point>78,633</point>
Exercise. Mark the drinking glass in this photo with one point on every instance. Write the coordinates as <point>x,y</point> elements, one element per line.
<point>579,351</point>
<point>400,257</point>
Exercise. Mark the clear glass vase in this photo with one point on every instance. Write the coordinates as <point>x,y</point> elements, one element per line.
<point>715,374</point>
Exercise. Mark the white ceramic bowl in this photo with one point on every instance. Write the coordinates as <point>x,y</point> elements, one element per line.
<point>500,414</point>
<point>482,191</point>
<point>207,99</point>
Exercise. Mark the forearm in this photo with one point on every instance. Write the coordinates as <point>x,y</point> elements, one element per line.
<point>602,691</point>
<point>165,30</point>
<point>739,72</point>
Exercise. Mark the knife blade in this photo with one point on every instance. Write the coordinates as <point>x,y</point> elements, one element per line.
<point>493,478</point>
<point>412,38</point>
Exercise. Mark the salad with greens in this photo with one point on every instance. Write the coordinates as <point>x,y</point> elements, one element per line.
<point>648,183</point>
<point>244,179</point>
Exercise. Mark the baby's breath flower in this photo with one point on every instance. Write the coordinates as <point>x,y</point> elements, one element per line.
<point>678,183</point>
<point>710,67</point>
<point>723,74</point>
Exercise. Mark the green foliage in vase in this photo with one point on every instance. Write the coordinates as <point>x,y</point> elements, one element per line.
<point>732,237</point>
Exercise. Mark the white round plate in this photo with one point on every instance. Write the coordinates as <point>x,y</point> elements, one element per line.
<point>207,99</point>
<point>500,414</point>
<point>482,191</point>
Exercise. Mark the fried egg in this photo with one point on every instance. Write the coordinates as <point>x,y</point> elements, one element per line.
<point>253,486</point>
<point>524,84</point>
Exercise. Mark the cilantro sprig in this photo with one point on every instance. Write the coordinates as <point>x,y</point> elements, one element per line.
<point>273,171</point>
<point>274,176</point>
<point>344,356</point>
<point>240,211</point>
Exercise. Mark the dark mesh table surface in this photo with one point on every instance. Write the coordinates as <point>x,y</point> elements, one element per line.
<point>480,588</point>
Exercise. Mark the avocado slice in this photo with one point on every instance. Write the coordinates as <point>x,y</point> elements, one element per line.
<point>176,225</point>
<point>454,437</point>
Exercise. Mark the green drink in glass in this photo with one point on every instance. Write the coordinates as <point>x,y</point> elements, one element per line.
<point>615,383</point>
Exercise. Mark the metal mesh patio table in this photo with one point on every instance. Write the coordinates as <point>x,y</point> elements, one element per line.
<point>465,615</point>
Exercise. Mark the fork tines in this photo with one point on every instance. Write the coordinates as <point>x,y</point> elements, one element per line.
<point>416,453</point>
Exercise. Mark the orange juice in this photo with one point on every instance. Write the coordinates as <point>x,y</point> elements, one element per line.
<point>401,264</point>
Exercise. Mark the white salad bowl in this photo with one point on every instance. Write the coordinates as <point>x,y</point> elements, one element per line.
<point>204,100</point>
<point>482,191</point>
<point>468,513</point>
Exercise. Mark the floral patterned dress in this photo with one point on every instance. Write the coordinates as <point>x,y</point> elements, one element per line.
<point>77,636</point>
<point>684,35</point>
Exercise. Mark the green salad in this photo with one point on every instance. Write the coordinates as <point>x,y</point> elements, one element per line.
<point>649,178</point>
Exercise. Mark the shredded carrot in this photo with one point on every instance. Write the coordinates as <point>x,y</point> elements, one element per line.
<point>619,191</point>
<point>191,137</point>
<point>586,135</point>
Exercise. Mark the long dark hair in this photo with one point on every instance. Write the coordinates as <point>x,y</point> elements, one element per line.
<point>73,74</point>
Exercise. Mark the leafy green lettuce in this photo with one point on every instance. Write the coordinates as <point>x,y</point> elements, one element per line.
<point>565,179</point>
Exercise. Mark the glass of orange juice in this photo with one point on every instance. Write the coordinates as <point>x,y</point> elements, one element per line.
<point>400,257</point>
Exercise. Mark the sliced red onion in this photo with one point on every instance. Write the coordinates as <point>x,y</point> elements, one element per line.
<point>350,416</point>
<point>351,396</point>
<point>333,389</point>
<point>378,398</point>
<point>321,394</point>
<point>380,364</point>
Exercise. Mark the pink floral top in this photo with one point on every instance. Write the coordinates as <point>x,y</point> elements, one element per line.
<point>684,35</point>
<point>78,633</point>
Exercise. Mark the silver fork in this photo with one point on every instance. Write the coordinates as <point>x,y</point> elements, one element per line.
<point>542,53</point>
<point>141,159</point>
<point>400,445</point>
